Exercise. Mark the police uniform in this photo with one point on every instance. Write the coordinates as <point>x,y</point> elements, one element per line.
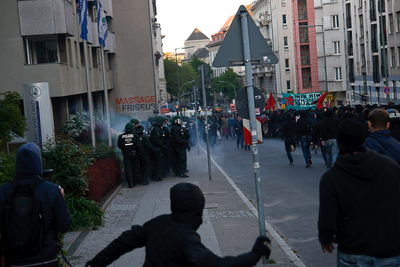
<point>157,137</point>
<point>178,146</point>
<point>128,147</point>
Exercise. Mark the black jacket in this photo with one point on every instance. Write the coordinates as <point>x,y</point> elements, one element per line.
<point>126,142</point>
<point>178,135</point>
<point>171,240</point>
<point>329,128</point>
<point>360,205</point>
<point>54,209</point>
<point>304,127</point>
<point>288,128</point>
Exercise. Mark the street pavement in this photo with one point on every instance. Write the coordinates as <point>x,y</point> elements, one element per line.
<point>290,196</point>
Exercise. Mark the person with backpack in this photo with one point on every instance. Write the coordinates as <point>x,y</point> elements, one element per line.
<point>33,211</point>
<point>304,131</point>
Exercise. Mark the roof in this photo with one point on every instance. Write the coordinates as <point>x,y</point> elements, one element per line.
<point>227,24</point>
<point>197,35</point>
<point>201,53</point>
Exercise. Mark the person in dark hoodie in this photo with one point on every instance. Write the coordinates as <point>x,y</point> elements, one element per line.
<point>304,131</point>
<point>55,214</point>
<point>327,136</point>
<point>359,207</point>
<point>288,129</point>
<point>380,140</point>
<point>172,240</point>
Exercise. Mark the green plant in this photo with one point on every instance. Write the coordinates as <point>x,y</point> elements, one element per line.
<point>69,161</point>
<point>84,212</point>
<point>7,167</point>
<point>12,122</point>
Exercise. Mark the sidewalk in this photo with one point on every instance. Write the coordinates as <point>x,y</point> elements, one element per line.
<point>230,224</point>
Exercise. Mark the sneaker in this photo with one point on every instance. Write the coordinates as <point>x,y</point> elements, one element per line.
<point>245,148</point>
<point>183,175</point>
<point>308,165</point>
<point>159,179</point>
<point>291,163</point>
<point>293,148</point>
<point>310,161</point>
<point>316,152</point>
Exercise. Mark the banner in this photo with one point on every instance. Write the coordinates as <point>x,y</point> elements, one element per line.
<point>83,19</point>
<point>300,101</point>
<point>103,28</point>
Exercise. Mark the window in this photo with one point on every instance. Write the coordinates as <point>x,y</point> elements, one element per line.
<point>283,2</point>
<point>377,89</point>
<point>353,93</point>
<point>360,4</point>
<point>306,77</point>
<point>394,90</point>
<point>305,55</point>
<point>338,74</point>
<point>398,21</point>
<point>284,22</point>
<point>303,32</point>
<point>287,65</point>
<point>393,57</point>
<point>335,21</point>
<point>391,26</point>
<point>302,9</point>
<point>361,19</point>
<point>336,48</point>
<point>285,43</point>
<point>288,86</point>
<point>362,48</point>
<point>398,56</point>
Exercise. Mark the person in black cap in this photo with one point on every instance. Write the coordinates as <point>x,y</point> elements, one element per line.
<point>128,147</point>
<point>172,240</point>
<point>360,203</point>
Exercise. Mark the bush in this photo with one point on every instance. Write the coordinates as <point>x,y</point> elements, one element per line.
<point>7,167</point>
<point>78,127</point>
<point>83,212</point>
<point>103,175</point>
<point>69,161</point>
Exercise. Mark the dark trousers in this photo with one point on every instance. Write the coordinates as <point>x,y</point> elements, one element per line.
<point>179,159</point>
<point>129,163</point>
<point>157,164</point>
<point>289,141</point>
<point>141,168</point>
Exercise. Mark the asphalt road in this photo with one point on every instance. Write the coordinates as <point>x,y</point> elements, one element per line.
<point>290,193</point>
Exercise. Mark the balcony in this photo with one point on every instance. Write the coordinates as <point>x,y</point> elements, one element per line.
<point>45,17</point>
<point>264,20</point>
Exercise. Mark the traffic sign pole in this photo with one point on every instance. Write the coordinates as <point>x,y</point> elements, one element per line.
<point>206,119</point>
<point>253,127</point>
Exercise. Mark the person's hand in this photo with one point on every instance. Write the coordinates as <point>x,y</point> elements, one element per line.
<point>62,190</point>
<point>328,248</point>
<point>261,248</point>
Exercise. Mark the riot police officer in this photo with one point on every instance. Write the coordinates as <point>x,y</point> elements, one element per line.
<point>157,136</point>
<point>178,146</point>
<point>128,147</point>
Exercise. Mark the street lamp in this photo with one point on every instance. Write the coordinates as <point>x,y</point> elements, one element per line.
<point>176,59</point>
<point>230,84</point>
<point>323,43</point>
<point>179,94</point>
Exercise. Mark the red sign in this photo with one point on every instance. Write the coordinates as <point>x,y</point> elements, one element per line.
<point>386,90</point>
<point>164,110</point>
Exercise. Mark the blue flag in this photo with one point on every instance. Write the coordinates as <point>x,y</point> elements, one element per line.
<point>102,24</point>
<point>83,19</point>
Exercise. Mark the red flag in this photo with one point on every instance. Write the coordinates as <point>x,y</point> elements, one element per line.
<point>320,100</point>
<point>270,103</point>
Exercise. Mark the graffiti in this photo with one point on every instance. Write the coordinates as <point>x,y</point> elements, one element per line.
<point>300,101</point>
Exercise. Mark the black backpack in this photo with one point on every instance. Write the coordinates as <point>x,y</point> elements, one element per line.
<point>305,125</point>
<point>22,221</point>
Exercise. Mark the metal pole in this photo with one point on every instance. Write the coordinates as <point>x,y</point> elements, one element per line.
<point>89,94</point>
<point>197,121</point>
<point>105,95</point>
<point>323,43</point>
<point>206,122</point>
<point>384,49</point>
<point>253,128</point>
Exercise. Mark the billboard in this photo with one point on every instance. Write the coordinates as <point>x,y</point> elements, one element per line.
<point>300,101</point>
<point>37,108</point>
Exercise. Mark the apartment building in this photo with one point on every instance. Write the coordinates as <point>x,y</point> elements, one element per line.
<point>373,48</point>
<point>40,43</point>
<point>272,18</point>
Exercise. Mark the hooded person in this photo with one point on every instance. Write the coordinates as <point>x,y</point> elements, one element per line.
<point>288,129</point>
<point>128,147</point>
<point>172,240</point>
<point>359,207</point>
<point>53,210</point>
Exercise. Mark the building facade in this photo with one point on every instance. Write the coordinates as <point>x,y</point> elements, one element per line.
<point>41,44</point>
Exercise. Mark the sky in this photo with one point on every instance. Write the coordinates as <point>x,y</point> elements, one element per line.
<point>178,18</point>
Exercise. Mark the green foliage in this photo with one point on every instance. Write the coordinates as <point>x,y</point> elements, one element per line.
<point>84,212</point>
<point>69,161</point>
<point>7,167</point>
<point>186,74</point>
<point>12,122</point>
<point>229,77</point>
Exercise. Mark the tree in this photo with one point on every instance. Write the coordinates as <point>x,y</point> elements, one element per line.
<point>228,77</point>
<point>12,122</point>
<point>186,74</point>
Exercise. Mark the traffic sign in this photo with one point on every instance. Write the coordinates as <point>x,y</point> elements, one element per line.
<point>386,90</point>
<point>231,51</point>
<point>242,103</point>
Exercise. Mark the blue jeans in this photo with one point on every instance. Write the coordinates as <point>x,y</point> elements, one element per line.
<point>240,139</point>
<point>331,152</point>
<point>232,131</point>
<point>345,260</point>
<point>305,147</point>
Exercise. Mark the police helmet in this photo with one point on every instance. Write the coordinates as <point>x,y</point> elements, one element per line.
<point>129,126</point>
<point>394,115</point>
